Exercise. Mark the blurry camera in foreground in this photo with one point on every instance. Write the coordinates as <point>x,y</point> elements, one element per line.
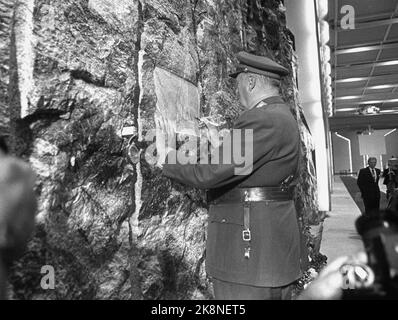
<point>380,238</point>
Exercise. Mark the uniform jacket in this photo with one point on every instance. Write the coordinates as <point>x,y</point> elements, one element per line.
<point>366,183</point>
<point>388,174</point>
<point>275,246</point>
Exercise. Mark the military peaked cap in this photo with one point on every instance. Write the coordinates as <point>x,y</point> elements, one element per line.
<point>260,65</point>
<point>393,162</point>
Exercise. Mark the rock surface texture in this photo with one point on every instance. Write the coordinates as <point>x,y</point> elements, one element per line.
<point>6,10</point>
<point>84,96</point>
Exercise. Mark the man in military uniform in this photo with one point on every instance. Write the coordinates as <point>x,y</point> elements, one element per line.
<point>253,241</point>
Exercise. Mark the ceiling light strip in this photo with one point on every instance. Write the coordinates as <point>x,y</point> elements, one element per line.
<point>391,77</point>
<point>372,24</point>
<point>360,66</point>
<point>388,133</point>
<point>383,86</point>
<point>367,48</point>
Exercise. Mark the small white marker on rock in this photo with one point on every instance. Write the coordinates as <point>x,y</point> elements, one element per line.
<point>128,131</point>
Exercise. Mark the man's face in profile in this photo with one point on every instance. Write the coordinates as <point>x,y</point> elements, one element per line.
<point>372,163</point>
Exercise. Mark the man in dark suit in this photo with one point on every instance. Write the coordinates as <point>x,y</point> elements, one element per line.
<point>253,239</point>
<point>368,183</point>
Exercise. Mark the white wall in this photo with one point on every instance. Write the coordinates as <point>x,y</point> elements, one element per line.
<point>301,20</point>
<point>341,156</point>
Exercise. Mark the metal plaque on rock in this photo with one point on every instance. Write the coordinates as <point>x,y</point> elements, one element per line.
<point>177,102</point>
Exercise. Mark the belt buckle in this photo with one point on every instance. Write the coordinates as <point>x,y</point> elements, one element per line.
<point>246,235</point>
<point>246,197</point>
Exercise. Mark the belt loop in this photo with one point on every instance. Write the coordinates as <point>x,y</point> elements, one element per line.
<point>246,222</point>
<point>246,234</point>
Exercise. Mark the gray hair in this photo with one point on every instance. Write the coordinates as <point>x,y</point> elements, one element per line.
<point>370,158</point>
<point>261,79</point>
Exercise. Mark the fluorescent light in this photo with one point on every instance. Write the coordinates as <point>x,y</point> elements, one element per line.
<point>356,50</point>
<point>346,109</point>
<point>387,63</point>
<point>348,97</point>
<point>382,86</point>
<point>371,102</point>
<point>388,133</point>
<point>388,111</point>
<point>351,80</point>
<point>370,64</point>
<point>390,100</point>
<point>378,101</point>
<point>391,45</point>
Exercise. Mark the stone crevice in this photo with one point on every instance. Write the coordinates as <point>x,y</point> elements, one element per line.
<point>88,78</point>
<point>136,290</point>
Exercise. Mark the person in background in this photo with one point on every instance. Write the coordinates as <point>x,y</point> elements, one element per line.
<point>355,271</point>
<point>391,177</point>
<point>17,210</point>
<point>368,183</point>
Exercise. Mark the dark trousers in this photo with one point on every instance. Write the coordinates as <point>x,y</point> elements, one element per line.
<point>234,291</point>
<point>372,205</point>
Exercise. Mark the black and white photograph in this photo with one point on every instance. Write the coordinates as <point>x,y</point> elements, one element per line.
<point>198,155</point>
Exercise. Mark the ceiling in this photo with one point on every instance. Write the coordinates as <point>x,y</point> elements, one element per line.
<point>364,62</point>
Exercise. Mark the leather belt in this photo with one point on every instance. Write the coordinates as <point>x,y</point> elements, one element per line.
<point>241,195</point>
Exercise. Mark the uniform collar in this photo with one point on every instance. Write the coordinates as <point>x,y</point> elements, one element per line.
<point>267,101</point>
<point>273,100</point>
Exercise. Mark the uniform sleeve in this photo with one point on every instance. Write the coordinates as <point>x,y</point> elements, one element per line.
<point>257,149</point>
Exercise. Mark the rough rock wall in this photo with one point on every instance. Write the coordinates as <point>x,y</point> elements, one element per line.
<point>6,10</point>
<point>84,104</point>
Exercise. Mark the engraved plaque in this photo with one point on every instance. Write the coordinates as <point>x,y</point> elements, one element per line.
<point>177,101</point>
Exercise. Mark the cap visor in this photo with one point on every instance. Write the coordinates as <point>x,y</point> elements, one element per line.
<point>235,74</point>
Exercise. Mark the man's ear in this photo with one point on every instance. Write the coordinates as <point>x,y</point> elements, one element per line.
<point>251,83</point>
